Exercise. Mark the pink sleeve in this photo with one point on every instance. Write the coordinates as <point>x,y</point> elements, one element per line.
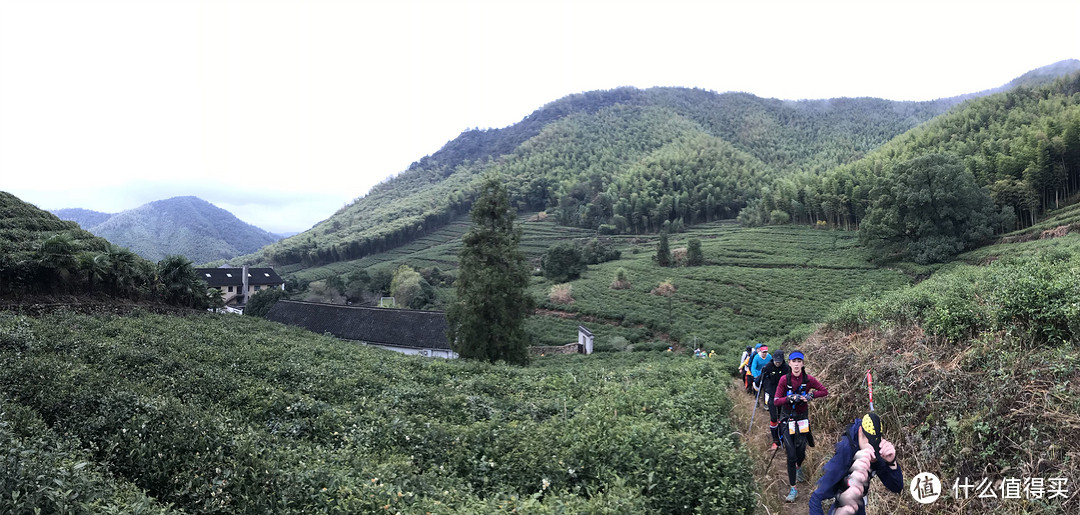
<point>819,389</point>
<point>780,398</point>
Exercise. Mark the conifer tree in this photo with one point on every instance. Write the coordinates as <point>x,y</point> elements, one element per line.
<point>486,321</point>
<point>663,251</point>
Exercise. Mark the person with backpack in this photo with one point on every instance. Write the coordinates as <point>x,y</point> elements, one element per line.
<point>769,378</point>
<point>744,369</point>
<point>860,455</point>
<point>794,391</point>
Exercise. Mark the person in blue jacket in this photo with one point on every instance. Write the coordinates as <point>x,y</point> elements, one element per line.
<point>864,433</point>
<point>758,362</point>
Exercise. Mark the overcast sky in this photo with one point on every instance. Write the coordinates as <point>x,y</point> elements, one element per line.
<point>284,111</point>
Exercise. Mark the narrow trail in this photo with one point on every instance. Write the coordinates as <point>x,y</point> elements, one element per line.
<point>772,487</point>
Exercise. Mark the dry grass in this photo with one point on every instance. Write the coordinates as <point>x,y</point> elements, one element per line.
<point>974,410</point>
<point>561,294</point>
<point>665,289</point>
<point>620,285</point>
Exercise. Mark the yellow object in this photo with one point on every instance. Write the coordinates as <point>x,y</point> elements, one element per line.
<point>868,425</point>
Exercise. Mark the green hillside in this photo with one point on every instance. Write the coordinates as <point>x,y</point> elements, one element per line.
<point>630,159</point>
<point>39,251</point>
<point>188,226</point>
<point>227,414</point>
<point>756,283</point>
<point>1022,145</point>
<point>42,257</point>
<point>120,410</point>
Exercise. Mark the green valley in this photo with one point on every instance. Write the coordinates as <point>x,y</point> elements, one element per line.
<point>933,243</point>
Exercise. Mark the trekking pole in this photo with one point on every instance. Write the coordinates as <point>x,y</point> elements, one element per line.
<point>757,400</point>
<point>870,388</point>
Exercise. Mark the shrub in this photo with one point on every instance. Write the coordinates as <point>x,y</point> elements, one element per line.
<point>562,262</point>
<point>599,250</point>
<point>613,344</point>
<point>1038,297</point>
<point>778,217</point>
<point>694,256</point>
<point>260,303</point>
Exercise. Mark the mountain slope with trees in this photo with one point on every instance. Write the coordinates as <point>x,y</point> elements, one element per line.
<point>188,226</point>
<point>1022,147</point>
<point>585,153</point>
<point>622,161</point>
<point>42,255</point>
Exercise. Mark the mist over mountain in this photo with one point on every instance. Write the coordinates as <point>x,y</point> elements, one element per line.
<point>84,217</point>
<point>188,226</point>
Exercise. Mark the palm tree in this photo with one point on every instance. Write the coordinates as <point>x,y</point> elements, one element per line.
<point>123,270</point>
<point>181,286</point>
<point>95,267</point>
<point>56,260</point>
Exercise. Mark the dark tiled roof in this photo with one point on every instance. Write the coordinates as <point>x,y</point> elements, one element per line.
<point>398,327</point>
<point>215,277</point>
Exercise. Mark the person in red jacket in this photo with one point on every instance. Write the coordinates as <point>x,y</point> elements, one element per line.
<point>793,393</point>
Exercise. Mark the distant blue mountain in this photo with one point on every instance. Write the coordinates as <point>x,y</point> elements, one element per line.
<point>188,226</point>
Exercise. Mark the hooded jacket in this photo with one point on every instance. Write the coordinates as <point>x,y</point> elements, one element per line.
<point>835,471</point>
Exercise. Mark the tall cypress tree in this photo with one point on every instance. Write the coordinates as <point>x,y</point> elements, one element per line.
<point>663,251</point>
<point>487,319</point>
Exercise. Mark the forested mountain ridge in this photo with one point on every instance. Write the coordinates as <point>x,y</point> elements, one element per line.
<point>188,226</point>
<point>590,158</point>
<point>573,149</point>
<point>1022,146</point>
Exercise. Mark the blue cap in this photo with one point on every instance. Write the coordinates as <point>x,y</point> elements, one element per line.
<point>796,355</point>
<point>757,346</point>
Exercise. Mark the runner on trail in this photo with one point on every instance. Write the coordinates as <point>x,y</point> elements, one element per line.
<point>793,393</point>
<point>850,491</point>
<point>744,369</point>
<point>767,381</point>
<point>758,362</point>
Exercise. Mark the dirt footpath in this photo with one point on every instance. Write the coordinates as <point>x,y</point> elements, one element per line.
<point>772,487</point>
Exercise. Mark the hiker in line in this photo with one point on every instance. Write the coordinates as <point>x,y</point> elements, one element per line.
<point>793,393</point>
<point>846,480</point>
<point>758,362</point>
<point>744,369</point>
<point>770,377</point>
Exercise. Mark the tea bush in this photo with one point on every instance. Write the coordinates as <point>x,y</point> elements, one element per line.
<point>225,414</point>
<point>1034,298</point>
